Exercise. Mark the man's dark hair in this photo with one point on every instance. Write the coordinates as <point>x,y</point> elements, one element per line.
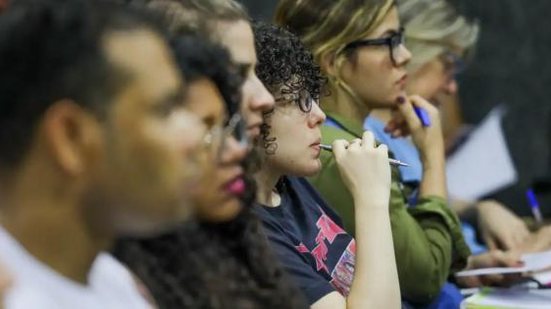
<point>193,16</point>
<point>199,58</point>
<point>52,50</point>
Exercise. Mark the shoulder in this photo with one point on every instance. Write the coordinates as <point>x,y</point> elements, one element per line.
<point>111,277</point>
<point>22,296</point>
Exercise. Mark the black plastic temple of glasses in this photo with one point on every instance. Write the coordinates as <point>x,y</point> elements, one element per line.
<point>377,42</point>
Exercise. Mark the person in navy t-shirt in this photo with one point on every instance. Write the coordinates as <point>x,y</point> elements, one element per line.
<point>331,268</point>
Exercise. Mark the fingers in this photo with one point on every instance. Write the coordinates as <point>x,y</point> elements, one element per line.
<point>419,101</point>
<point>368,140</point>
<point>507,242</point>
<point>339,148</point>
<point>405,106</point>
<point>508,259</point>
<point>490,242</point>
<point>383,148</point>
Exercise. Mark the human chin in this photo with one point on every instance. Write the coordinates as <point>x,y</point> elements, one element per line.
<point>223,212</point>
<point>311,168</point>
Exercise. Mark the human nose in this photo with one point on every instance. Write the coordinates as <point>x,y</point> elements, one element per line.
<point>317,116</point>
<point>261,100</point>
<point>402,55</point>
<point>232,152</point>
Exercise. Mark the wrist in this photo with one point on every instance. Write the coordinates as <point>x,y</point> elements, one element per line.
<point>370,202</point>
<point>433,159</point>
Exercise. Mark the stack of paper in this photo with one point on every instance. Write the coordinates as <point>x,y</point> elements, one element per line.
<point>533,262</point>
<point>508,299</point>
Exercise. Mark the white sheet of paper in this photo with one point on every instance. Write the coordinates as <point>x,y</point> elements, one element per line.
<point>532,262</point>
<point>509,298</point>
<point>543,277</point>
<point>483,164</point>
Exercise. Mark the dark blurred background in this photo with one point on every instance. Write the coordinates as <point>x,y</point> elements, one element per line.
<point>512,67</point>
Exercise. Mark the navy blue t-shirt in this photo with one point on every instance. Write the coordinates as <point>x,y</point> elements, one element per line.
<point>310,241</point>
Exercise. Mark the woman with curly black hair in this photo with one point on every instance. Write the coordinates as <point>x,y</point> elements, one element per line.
<point>332,269</point>
<point>213,263</point>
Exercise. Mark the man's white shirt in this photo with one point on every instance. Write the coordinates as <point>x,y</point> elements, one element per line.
<point>35,285</point>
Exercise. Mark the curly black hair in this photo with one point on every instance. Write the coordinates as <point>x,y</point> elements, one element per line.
<point>206,265</point>
<point>285,63</point>
<point>53,50</point>
<point>286,66</point>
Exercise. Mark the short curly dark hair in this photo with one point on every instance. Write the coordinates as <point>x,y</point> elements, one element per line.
<point>284,62</point>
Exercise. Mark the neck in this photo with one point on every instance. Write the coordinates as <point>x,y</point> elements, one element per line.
<point>382,114</point>
<point>266,180</point>
<point>343,103</point>
<point>52,225</point>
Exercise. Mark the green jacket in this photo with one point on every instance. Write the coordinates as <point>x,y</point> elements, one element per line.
<point>428,242</point>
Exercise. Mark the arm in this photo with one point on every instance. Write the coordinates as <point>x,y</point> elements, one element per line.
<point>427,237</point>
<point>366,172</point>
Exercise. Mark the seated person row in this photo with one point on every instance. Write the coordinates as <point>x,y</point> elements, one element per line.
<point>223,259</point>
<point>306,233</point>
<point>360,49</point>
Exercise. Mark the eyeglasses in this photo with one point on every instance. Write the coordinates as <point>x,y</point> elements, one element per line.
<point>216,138</point>
<point>453,63</point>
<point>303,99</point>
<point>393,42</point>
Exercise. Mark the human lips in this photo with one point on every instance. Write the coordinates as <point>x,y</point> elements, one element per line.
<point>236,186</point>
<point>316,145</point>
<point>402,81</point>
<point>254,130</point>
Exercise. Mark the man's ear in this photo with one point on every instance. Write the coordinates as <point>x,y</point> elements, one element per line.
<point>72,135</point>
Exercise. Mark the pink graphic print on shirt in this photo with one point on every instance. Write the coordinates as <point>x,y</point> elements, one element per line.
<point>343,273</point>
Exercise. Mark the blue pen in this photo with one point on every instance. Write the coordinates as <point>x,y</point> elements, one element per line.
<point>423,116</point>
<point>534,206</point>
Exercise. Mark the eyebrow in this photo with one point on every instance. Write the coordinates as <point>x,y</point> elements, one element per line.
<point>243,68</point>
<point>175,96</point>
<point>390,32</point>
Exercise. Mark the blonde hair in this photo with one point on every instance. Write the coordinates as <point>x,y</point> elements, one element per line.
<point>434,27</point>
<point>327,26</point>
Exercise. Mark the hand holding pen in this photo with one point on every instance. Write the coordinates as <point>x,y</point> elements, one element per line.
<point>534,206</point>
<point>364,169</point>
<point>393,162</point>
<point>418,118</point>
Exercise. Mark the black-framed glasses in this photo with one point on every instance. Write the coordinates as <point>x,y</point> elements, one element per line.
<point>216,138</point>
<point>394,41</point>
<point>303,99</point>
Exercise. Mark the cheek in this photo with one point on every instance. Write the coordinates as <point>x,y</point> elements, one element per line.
<point>247,93</point>
<point>370,77</point>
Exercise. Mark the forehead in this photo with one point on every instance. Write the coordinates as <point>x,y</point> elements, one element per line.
<point>390,22</point>
<point>146,57</point>
<point>237,37</point>
<point>204,98</point>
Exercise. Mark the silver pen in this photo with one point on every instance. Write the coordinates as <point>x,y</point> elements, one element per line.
<point>391,161</point>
